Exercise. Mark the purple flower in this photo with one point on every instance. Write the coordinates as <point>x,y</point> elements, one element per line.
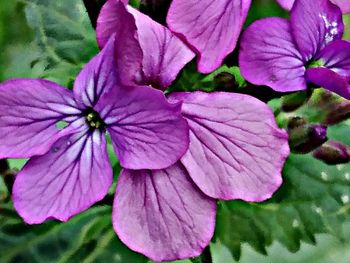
<point>210,28</point>
<point>69,169</point>
<point>236,151</point>
<point>343,4</point>
<point>286,54</point>
<point>163,54</point>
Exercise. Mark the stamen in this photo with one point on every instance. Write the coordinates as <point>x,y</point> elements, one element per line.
<point>93,119</point>
<point>315,64</point>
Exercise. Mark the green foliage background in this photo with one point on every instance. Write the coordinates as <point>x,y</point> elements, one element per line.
<point>306,221</point>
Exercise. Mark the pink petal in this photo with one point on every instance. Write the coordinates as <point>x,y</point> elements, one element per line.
<point>162,214</point>
<point>147,131</point>
<point>211,28</point>
<point>29,112</point>
<point>336,56</point>
<point>286,4</point>
<point>127,49</point>
<point>164,54</point>
<point>268,56</point>
<point>343,4</point>
<point>330,80</point>
<point>236,149</point>
<point>67,180</point>
<point>314,25</point>
<point>97,77</point>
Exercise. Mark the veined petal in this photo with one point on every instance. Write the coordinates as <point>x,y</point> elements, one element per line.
<point>268,56</point>
<point>314,25</point>
<point>29,112</point>
<point>68,179</point>
<point>147,131</point>
<point>211,28</point>
<point>343,4</point>
<point>127,49</point>
<point>236,149</point>
<point>98,77</point>
<point>162,214</point>
<point>164,54</point>
<point>336,56</point>
<point>330,80</point>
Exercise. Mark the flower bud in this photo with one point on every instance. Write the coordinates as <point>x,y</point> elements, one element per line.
<point>339,113</point>
<point>332,152</point>
<point>296,122</point>
<point>225,81</point>
<point>306,138</point>
<point>293,101</point>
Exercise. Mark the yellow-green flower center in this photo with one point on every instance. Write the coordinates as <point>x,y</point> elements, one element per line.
<point>94,120</point>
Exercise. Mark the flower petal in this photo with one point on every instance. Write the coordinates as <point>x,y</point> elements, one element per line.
<point>343,4</point>
<point>67,180</point>
<point>286,4</point>
<point>162,214</point>
<point>336,56</point>
<point>147,131</point>
<point>211,28</point>
<point>236,149</point>
<point>314,25</point>
<point>330,80</point>
<point>127,49</point>
<point>29,112</point>
<point>98,77</point>
<point>268,56</point>
<point>164,54</point>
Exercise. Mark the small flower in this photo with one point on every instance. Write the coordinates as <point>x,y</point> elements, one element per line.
<point>69,168</point>
<point>236,151</point>
<point>343,4</point>
<point>210,28</point>
<point>287,54</point>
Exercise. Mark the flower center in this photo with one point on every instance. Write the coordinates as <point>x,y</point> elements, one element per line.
<point>315,63</point>
<point>93,119</point>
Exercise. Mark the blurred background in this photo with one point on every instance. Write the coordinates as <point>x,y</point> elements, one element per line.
<point>33,44</point>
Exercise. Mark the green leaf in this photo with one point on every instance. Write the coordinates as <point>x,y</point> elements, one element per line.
<point>88,237</point>
<point>314,198</point>
<point>14,39</point>
<point>65,36</point>
<point>346,19</point>
<point>264,8</point>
